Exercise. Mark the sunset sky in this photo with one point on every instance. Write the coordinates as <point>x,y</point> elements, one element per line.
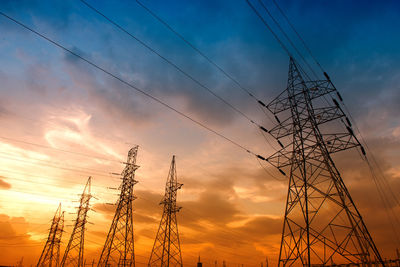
<point>61,120</point>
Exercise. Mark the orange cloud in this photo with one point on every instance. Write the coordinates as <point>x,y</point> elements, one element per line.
<point>3,184</point>
<point>16,241</point>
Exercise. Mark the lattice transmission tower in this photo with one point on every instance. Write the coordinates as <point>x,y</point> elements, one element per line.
<point>73,255</point>
<point>166,250</point>
<point>118,249</point>
<point>50,256</point>
<point>322,225</point>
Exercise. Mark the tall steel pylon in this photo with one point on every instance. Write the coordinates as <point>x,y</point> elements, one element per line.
<point>118,249</point>
<point>73,255</point>
<point>322,225</point>
<point>50,256</point>
<point>166,250</point>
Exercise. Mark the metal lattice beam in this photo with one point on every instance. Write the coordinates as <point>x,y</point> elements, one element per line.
<point>118,249</point>
<point>166,250</point>
<point>322,225</point>
<point>50,256</point>
<point>73,255</point>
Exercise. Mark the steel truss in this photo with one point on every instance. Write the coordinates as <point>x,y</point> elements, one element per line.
<point>50,256</point>
<point>322,225</point>
<point>166,250</point>
<point>73,255</point>
<point>118,249</point>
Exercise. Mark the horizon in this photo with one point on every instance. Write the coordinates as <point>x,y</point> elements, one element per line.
<point>64,120</point>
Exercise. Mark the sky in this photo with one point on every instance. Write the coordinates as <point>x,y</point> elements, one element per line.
<point>63,120</point>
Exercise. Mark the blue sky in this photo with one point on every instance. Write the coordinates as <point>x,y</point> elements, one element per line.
<point>356,42</point>
<point>49,97</point>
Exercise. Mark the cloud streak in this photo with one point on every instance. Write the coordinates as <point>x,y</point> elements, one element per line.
<point>231,207</point>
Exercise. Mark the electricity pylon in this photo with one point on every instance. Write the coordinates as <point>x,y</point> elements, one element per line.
<point>166,249</point>
<point>51,252</point>
<point>118,249</point>
<point>322,225</point>
<point>73,255</point>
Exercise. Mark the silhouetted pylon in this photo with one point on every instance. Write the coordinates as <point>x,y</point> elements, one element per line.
<point>73,255</point>
<point>51,252</point>
<point>118,249</point>
<point>322,225</point>
<point>166,249</point>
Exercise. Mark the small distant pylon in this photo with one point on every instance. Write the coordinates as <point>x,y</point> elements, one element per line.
<point>118,249</point>
<point>51,252</point>
<point>166,249</point>
<point>73,255</point>
<point>199,263</point>
<point>20,262</point>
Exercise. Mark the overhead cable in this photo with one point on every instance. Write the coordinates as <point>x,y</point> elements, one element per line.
<point>260,103</point>
<point>298,35</point>
<point>130,85</point>
<point>171,63</point>
<point>286,36</point>
<point>57,149</point>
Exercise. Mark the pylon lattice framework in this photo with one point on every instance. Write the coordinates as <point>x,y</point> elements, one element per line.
<point>166,249</point>
<point>322,225</point>
<point>118,249</point>
<point>50,256</point>
<point>73,255</point>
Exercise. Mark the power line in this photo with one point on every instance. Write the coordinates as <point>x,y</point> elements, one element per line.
<point>384,179</point>
<point>284,47</point>
<point>51,178</point>
<point>298,35</point>
<point>372,157</point>
<point>41,176</point>
<point>250,152</point>
<point>286,36</point>
<point>58,149</point>
<point>385,202</point>
<point>134,87</point>
<point>260,103</point>
<point>269,28</point>
<point>17,245</point>
<point>371,168</point>
<point>267,172</point>
<point>171,63</point>
<point>61,128</point>
<point>55,198</point>
<point>49,184</point>
<point>262,129</point>
<point>228,230</point>
<point>229,76</point>
<point>309,50</point>
<point>46,164</point>
<point>266,139</point>
<point>385,182</point>
<point>313,184</point>
<point>316,61</point>
<point>130,85</point>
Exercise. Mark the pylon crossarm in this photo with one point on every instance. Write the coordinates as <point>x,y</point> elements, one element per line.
<point>322,115</point>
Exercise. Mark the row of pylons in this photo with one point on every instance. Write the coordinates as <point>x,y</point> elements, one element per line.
<point>321,226</point>
<point>118,249</point>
